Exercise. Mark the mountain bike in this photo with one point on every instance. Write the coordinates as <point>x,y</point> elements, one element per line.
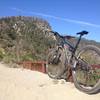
<point>84,63</point>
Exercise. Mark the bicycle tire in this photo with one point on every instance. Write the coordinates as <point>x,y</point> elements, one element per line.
<point>92,89</point>
<point>57,68</point>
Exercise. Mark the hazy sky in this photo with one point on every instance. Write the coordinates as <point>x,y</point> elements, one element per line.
<point>65,16</point>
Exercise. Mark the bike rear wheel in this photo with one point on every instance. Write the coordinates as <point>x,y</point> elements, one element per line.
<point>86,71</point>
<point>55,63</point>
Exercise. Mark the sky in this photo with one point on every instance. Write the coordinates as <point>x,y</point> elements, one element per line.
<point>64,16</point>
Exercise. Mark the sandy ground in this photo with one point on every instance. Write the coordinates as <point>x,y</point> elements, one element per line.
<point>22,84</point>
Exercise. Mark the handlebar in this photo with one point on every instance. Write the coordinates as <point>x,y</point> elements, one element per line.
<point>56,33</point>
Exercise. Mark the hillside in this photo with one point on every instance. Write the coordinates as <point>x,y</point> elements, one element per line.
<point>24,38</point>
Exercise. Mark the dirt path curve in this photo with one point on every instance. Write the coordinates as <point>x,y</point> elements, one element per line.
<point>21,84</point>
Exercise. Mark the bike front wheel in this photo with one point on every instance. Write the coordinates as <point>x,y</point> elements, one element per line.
<point>86,71</point>
<point>55,63</point>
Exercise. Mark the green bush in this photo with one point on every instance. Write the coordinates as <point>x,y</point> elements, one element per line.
<point>2,53</point>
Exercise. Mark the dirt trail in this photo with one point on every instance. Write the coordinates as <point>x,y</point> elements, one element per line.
<point>22,84</point>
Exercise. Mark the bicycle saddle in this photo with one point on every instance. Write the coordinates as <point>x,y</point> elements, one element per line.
<point>82,33</point>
